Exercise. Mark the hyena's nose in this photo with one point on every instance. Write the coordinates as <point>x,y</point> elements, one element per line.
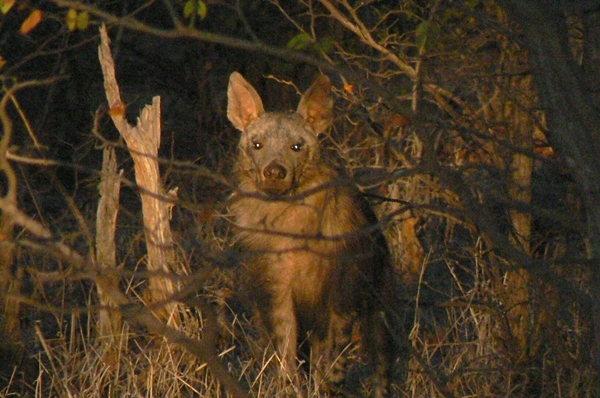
<point>275,171</point>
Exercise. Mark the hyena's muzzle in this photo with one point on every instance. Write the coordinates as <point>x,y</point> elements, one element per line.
<point>276,178</point>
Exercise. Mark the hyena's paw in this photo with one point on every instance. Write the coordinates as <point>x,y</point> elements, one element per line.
<point>380,387</point>
<point>336,390</point>
<point>288,389</point>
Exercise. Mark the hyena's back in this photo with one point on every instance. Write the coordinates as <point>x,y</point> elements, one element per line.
<point>317,263</point>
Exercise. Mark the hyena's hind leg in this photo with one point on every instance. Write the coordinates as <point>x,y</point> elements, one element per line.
<point>379,343</point>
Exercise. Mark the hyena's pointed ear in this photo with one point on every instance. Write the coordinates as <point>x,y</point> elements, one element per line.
<point>244,104</point>
<point>316,105</point>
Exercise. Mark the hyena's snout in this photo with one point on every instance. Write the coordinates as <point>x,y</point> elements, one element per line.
<point>275,171</point>
<point>276,179</point>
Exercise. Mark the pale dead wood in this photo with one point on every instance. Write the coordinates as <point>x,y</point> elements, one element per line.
<point>8,284</point>
<point>143,141</point>
<point>109,322</point>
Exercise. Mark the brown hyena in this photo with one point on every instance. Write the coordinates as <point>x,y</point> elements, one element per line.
<point>317,263</point>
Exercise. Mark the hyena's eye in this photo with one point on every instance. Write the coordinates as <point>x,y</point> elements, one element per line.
<point>257,145</point>
<point>296,147</point>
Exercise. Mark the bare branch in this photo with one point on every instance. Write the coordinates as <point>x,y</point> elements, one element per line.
<point>358,28</point>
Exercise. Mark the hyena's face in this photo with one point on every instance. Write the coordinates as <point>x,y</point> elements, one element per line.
<point>275,148</point>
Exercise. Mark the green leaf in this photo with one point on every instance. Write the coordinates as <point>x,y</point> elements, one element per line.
<point>202,9</point>
<point>326,45</point>
<point>71,19</point>
<point>188,8</point>
<point>452,14</point>
<point>426,34</point>
<point>299,42</point>
<point>83,20</point>
<point>198,5</point>
<point>471,4</point>
<point>421,34</point>
<point>6,5</point>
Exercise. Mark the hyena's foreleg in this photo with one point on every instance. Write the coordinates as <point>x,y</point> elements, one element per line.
<point>284,331</point>
<point>331,354</point>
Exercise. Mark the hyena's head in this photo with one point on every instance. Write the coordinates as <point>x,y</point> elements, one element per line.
<point>276,149</point>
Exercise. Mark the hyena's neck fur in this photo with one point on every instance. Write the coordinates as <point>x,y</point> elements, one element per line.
<point>312,212</point>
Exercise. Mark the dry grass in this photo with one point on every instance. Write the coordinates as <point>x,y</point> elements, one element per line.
<point>456,351</point>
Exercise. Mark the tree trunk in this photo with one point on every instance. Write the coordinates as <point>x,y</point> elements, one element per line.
<point>573,118</point>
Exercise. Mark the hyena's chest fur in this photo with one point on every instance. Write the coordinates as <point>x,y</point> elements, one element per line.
<point>302,250</point>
